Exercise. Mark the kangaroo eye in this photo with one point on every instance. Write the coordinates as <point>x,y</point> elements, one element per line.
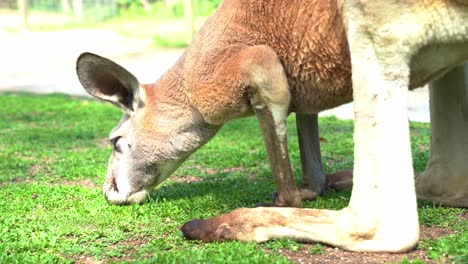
<point>116,145</point>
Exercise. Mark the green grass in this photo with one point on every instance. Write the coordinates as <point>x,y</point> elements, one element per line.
<point>53,162</point>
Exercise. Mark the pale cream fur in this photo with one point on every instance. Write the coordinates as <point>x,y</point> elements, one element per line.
<point>389,54</point>
<point>270,58</point>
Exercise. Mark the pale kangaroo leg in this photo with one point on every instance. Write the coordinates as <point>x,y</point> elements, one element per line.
<point>445,180</point>
<point>376,219</point>
<point>313,182</point>
<point>270,100</point>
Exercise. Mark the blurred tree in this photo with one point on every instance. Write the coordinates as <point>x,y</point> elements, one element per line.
<point>190,23</point>
<point>78,9</point>
<point>10,4</point>
<point>170,3</point>
<point>146,5</point>
<point>65,6</point>
<point>23,10</point>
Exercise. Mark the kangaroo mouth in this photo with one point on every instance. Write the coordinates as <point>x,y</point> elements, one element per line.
<point>113,196</point>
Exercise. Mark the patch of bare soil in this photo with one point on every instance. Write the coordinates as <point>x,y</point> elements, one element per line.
<point>18,180</point>
<point>185,179</point>
<point>423,147</point>
<point>35,169</point>
<point>102,142</point>
<point>434,232</point>
<point>464,216</point>
<point>130,247</point>
<point>210,171</point>
<point>43,167</point>
<point>83,183</point>
<point>82,259</point>
<point>250,176</point>
<point>233,169</point>
<point>335,255</point>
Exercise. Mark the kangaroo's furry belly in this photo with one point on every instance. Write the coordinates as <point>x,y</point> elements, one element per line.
<point>319,78</point>
<point>310,97</point>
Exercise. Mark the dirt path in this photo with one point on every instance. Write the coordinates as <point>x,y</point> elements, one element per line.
<point>44,62</point>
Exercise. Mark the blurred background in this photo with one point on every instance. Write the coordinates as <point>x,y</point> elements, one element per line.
<point>166,22</point>
<point>41,39</point>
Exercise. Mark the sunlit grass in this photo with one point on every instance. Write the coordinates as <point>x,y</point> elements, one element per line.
<point>53,158</point>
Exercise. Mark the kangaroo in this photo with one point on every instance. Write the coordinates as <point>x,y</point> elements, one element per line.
<point>245,71</point>
<point>393,46</point>
<point>271,58</point>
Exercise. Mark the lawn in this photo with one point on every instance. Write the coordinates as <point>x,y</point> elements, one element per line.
<point>53,158</point>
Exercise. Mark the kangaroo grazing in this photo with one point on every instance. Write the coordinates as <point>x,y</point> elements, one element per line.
<point>271,58</point>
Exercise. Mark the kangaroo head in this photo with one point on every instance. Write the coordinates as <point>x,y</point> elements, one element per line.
<point>157,132</point>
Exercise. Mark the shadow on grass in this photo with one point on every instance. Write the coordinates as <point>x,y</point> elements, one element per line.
<point>227,190</point>
<point>231,191</point>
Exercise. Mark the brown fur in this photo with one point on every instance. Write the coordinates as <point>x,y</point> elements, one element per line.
<point>275,57</point>
<point>293,52</point>
<point>244,41</point>
<point>308,37</point>
<point>395,45</point>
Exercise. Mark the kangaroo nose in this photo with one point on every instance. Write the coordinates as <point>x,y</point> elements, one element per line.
<point>113,196</point>
<point>113,185</point>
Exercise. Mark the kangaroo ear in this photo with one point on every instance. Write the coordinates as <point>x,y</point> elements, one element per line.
<point>106,80</point>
